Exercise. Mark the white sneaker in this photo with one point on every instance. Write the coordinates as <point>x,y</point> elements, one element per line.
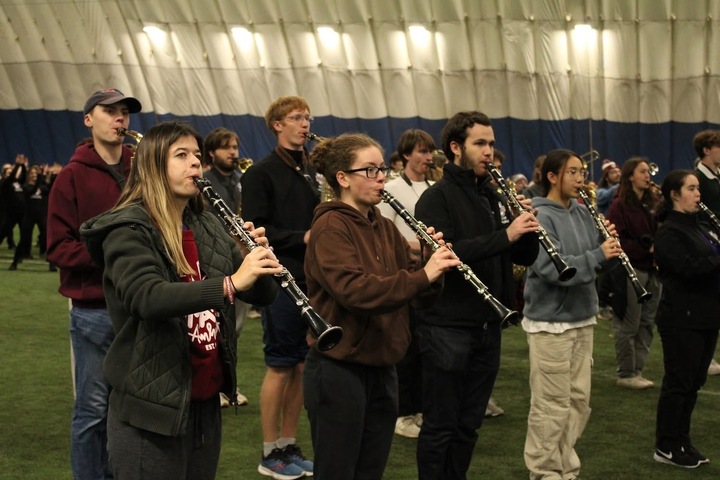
<point>225,401</point>
<point>493,409</point>
<point>634,383</point>
<point>644,380</point>
<point>714,368</point>
<point>605,313</point>
<point>406,427</point>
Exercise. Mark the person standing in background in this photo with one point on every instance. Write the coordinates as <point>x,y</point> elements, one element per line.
<point>36,189</point>
<point>608,185</point>
<point>535,188</point>
<point>633,213</point>
<point>280,193</point>
<point>13,199</point>
<point>89,185</point>
<point>415,149</point>
<point>707,147</point>
<point>221,154</point>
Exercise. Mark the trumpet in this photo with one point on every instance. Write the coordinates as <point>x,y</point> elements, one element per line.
<point>137,136</point>
<point>243,164</point>
<point>508,317</point>
<point>589,157</point>
<point>565,271</point>
<point>643,296</point>
<point>124,132</point>
<point>315,138</point>
<point>327,336</point>
<point>326,192</point>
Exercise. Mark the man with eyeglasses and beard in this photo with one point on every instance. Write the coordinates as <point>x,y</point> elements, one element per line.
<point>459,336</point>
<point>280,193</point>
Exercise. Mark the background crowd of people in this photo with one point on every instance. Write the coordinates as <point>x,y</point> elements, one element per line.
<point>159,291</point>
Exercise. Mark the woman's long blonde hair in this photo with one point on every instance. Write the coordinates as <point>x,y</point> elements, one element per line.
<point>147,185</point>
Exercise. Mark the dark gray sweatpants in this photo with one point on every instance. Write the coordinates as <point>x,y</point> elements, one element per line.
<point>137,454</point>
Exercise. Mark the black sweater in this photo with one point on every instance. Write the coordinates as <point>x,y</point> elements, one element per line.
<point>281,198</point>
<point>689,272</point>
<point>473,217</point>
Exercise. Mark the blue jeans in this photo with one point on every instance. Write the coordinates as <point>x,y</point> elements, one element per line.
<point>91,334</point>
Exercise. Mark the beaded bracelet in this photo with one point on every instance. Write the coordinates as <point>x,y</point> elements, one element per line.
<point>230,290</point>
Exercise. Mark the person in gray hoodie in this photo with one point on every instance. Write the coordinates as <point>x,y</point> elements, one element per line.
<point>559,317</point>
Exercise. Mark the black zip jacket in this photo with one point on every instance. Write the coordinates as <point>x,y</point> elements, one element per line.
<point>689,272</point>
<point>473,217</point>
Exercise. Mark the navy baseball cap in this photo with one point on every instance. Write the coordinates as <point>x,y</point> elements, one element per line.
<point>110,96</point>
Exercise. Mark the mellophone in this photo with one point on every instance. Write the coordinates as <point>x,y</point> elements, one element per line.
<point>508,317</point>
<point>643,295</point>
<point>327,336</point>
<point>565,271</point>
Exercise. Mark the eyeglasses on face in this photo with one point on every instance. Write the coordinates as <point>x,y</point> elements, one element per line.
<point>370,172</point>
<point>299,118</point>
<point>575,171</point>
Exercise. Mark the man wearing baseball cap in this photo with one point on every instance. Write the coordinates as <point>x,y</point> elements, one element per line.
<point>89,185</point>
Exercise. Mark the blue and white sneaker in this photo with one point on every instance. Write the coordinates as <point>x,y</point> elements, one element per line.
<point>277,466</point>
<point>294,455</point>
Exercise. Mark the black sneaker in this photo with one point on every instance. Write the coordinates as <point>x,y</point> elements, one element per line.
<point>694,452</point>
<point>679,458</point>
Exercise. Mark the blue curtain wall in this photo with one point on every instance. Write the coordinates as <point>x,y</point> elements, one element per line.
<point>51,136</point>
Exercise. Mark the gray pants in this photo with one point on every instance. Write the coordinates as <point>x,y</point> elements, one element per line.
<point>634,332</point>
<point>137,454</point>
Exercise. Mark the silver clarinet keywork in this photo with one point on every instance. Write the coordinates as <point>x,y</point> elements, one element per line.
<point>508,317</point>
<point>327,335</point>
<point>714,222</point>
<point>565,271</point>
<point>643,295</point>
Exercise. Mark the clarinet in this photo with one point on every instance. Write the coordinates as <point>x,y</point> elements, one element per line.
<point>565,271</point>
<point>643,296</point>
<point>508,317</point>
<point>327,336</point>
<point>713,218</point>
<point>714,222</point>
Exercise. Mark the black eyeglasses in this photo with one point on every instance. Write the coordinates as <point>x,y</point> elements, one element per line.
<point>370,172</point>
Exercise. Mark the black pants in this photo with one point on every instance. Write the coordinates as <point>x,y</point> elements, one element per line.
<point>137,454</point>
<point>686,357</point>
<point>409,372</point>
<point>352,410</point>
<point>34,215</point>
<point>459,370</point>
